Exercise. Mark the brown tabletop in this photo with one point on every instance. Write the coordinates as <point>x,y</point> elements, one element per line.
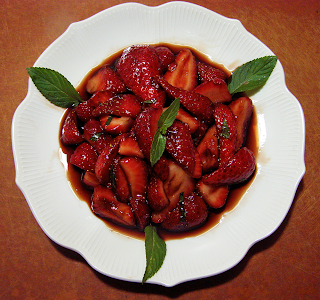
<point>286,265</point>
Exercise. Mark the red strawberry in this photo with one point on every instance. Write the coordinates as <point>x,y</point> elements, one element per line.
<point>84,157</point>
<point>124,105</point>
<point>100,97</point>
<point>208,150</point>
<point>208,73</point>
<point>180,146</point>
<point>105,161</point>
<point>105,79</point>
<point>242,109</point>
<point>190,213</point>
<point>238,169</point>
<point>216,90</point>
<point>182,73</point>
<point>105,204</point>
<point>157,198</point>
<point>137,66</point>
<point>90,179</point>
<point>116,125</point>
<point>166,57</point>
<point>227,149</point>
<point>214,195</point>
<point>136,171</point>
<point>200,106</point>
<point>120,182</point>
<point>199,133</point>
<point>129,147</point>
<point>70,134</point>
<point>84,111</point>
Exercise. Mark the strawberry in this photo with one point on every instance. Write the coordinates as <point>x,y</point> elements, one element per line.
<point>237,169</point>
<point>94,135</point>
<point>105,79</point>
<point>129,147</point>
<point>136,171</point>
<point>124,105</point>
<point>214,195</point>
<point>190,213</point>
<point>209,73</point>
<point>242,109</point>
<point>216,90</point>
<point>227,149</point>
<point>182,73</point>
<point>105,161</point>
<point>84,111</point>
<point>90,180</point>
<point>156,195</point>
<point>199,105</point>
<point>208,150</point>
<point>70,134</point>
<point>180,146</point>
<point>116,125</point>
<point>105,204</point>
<point>84,157</point>
<point>120,182</point>
<point>166,57</point>
<point>199,133</point>
<point>137,66</point>
<point>100,97</point>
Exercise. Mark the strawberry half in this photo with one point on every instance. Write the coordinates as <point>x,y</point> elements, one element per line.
<point>166,57</point>
<point>100,97</point>
<point>70,134</point>
<point>129,147</point>
<point>84,157</point>
<point>116,125</point>
<point>90,180</point>
<point>214,195</point>
<point>120,182</point>
<point>209,73</point>
<point>182,73</point>
<point>157,198</point>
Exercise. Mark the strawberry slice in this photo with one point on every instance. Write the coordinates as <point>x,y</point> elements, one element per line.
<point>137,66</point>
<point>84,111</point>
<point>180,146</point>
<point>182,73</point>
<point>166,57</point>
<point>136,171</point>
<point>84,157</point>
<point>216,90</point>
<point>124,105</point>
<point>105,79</point>
<point>105,204</point>
<point>156,195</point>
<point>209,73</point>
<point>70,134</point>
<point>189,213</point>
<point>129,147</point>
<point>242,109</point>
<point>214,195</point>
<point>237,169</point>
<point>116,125</point>
<point>90,180</point>
<point>120,182</point>
<point>100,97</point>
<point>199,105</point>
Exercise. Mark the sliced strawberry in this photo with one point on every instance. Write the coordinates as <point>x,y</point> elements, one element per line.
<point>84,111</point>
<point>166,57</point>
<point>227,149</point>
<point>116,125</point>
<point>182,73</point>
<point>189,213</point>
<point>199,133</point>
<point>238,169</point>
<point>105,161</point>
<point>225,121</point>
<point>242,109</point>
<point>209,73</point>
<point>100,97</point>
<point>84,157</point>
<point>70,134</point>
<point>199,105</point>
<point>129,147</point>
<point>137,67</point>
<point>124,105</point>
<point>216,90</point>
<point>105,204</point>
<point>105,79</point>
<point>157,198</point>
<point>120,182</point>
<point>214,195</point>
<point>208,150</point>
<point>180,146</point>
<point>90,180</point>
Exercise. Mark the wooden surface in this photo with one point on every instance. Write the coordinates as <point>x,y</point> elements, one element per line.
<point>285,265</point>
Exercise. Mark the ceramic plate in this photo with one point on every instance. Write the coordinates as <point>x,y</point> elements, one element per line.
<point>69,222</point>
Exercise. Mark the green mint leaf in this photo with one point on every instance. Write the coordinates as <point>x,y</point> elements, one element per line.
<point>155,252</point>
<point>157,147</point>
<point>95,136</point>
<point>54,87</point>
<point>252,74</point>
<point>168,116</point>
<point>225,131</point>
<point>108,120</point>
<point>150,101</point>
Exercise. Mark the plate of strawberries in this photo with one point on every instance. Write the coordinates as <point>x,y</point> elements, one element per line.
<point>162,155</point>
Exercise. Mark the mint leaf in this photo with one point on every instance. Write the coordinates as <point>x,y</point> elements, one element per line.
<point>108,120</point>
<point>54,87</point>
<point>225,131</point>
<point>157,147</point>
<point>95,136</point>
<point>168,116</point>
<point>155,252</point>
<point>252,74</point>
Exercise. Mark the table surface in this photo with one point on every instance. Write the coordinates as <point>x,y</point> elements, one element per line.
<point>286,265</point>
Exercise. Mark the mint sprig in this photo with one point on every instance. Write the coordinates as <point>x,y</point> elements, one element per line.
<point>165,121</point>
<point>156,250</point>
<point>252,74</point>
<point>54,87</point>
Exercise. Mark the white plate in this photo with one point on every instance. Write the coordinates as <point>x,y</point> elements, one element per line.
<point>69,222</point>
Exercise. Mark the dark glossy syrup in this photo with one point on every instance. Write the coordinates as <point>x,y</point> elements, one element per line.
<point>215,216</point>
